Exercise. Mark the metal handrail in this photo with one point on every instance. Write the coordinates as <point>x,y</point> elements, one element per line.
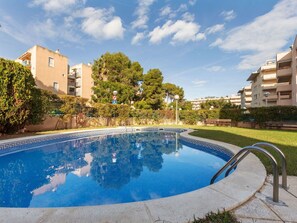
<point>284,161</point>
<point>254,148</point>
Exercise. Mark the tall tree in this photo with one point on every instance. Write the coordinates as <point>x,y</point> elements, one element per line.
<point>116,72</point>
<point>152,89</point>
<point>170,90</point>
<point>20,101</point>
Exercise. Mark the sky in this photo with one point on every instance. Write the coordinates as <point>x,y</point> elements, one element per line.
<point>208,47</point>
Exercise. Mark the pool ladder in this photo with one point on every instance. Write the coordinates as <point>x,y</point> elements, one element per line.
<point>238,157</point>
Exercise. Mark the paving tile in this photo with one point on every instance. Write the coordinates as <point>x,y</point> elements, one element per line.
<point>255,208</point>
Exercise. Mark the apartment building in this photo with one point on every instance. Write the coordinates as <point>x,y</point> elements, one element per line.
<point>49,68</point>
<point>245,96</point>
<point>287,76</point>
<point>82,74</point>
<point>234,99</point>
<point>264,84</point>
<point>52,72</point>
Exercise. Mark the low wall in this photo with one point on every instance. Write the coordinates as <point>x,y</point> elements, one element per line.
<point>55,123</point>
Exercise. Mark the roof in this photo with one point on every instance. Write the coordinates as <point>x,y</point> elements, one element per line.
<point>253,76</point>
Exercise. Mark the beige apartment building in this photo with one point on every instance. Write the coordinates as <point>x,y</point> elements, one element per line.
<point>52,72</point>
<point>83,80</point>
<point>287,76</point>
<point>245,96</point>
<point>234,99</point>
<point>264,84</point>
<point>49,68</point>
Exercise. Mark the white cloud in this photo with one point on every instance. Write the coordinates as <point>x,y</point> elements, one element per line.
<point>199,83</point>
<point>189,17</point>
<point>200,36</point>
<point>192,2</point>
<point>101,23</point>
<point>217,42</point>
<point>228,15</point>
<point>214,29</point>
<point>165,11</point>
<point>142,12</point>
<point>137,38</point>
<point>181,31</point>
<point>182,8</point>
<point>263,37</point>
<point>57,6</point>
<point>215,69</point>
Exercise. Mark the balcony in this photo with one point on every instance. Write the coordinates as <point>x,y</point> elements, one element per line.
<point>71,76</point>
<point>271,97</point>
<point>78,83</point>
<point>285,102</point>
<point>268,86</point>
<point>285,86</point>
<point>267,77</point>
<point>71,84</point>
<point>284,72</point>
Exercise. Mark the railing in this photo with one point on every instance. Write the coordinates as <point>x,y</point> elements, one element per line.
<point>237,158</point>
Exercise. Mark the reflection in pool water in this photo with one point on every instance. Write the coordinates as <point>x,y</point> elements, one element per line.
<point>104,170</point>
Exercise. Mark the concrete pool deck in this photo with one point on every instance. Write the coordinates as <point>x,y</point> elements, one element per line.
<point>228,194</point>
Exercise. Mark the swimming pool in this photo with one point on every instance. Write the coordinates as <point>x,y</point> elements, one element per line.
<point>95,169</point>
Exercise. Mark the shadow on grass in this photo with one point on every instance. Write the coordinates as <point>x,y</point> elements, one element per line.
<point>242,141</point>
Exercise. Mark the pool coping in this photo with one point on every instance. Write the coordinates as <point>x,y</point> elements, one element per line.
<point>227,194</point>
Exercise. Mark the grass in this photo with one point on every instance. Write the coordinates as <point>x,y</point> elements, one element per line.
<point>285,140</point>
<point>220,217</point>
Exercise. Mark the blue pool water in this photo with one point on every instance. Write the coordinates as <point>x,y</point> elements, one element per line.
<point>106,170</point>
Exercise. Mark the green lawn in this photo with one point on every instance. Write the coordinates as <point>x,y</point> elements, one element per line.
<point>285,140</point>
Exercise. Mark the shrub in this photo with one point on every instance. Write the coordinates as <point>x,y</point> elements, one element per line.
<point>220,217</point>
<point>20,101</point>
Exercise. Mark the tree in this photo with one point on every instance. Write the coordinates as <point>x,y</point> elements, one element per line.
<point>152,89</point>
<point>20,101</point>
<point>116,72</point>
<point>170,90</point>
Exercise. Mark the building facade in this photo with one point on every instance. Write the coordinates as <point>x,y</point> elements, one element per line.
<point>52,72</point>
<point>263,84</point>
<point>82,74</point>
<point>49,68</point>
<point>287,76</point>
<point>245,96</point>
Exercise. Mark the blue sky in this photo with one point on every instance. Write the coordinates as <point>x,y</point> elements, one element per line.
<point>208,47</point>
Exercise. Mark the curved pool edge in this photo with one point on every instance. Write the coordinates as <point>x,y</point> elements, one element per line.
<point>227,194</point>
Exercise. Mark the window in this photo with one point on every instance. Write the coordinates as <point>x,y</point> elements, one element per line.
<point>51,62</point>
<point>56,86</point>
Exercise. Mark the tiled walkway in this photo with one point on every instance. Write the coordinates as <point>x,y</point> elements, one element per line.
<point>261,209</point>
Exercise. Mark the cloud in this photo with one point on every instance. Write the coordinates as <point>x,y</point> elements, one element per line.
<point>180,31</point>
<point>57,6</point>
<point>215,69</point>
<point>188,17</point>
<point>101,23</point>
<point>142,12</point>
<point>217,42</point>
<point>214,29</point>
<point>228,15</point>
<point>201,36</point>
<point>199,83</point>
<point>192,2</point>
<point>165,11</point>
<point>264,36</point>
<point>137,38</point>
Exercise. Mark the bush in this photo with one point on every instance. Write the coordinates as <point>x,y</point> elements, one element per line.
<point>220,217</point>
<point>20,101</point>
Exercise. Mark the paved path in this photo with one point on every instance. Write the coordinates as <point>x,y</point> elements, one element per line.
<point>262,209</point>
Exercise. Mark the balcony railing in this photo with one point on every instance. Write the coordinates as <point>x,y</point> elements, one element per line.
<point>269,86</point>
<point>285,86</point>
<point>284,102</point>
<point>284,72</point>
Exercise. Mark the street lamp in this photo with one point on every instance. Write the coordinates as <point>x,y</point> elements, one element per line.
<point>114,97</point>
<point>266,94</point>
<point>176,97</point>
